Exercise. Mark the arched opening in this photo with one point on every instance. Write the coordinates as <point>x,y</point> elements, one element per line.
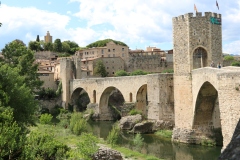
<point>130,96</point>
<point>94,96</point>
<point>200,58</point>
<point>207,124</point>
<point>111,103</point>
<point>80,100</point>
<point>142,100</point>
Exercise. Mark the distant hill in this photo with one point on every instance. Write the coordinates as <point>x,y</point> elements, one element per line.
<point>102,43</point>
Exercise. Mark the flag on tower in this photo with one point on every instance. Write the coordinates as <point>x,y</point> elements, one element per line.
<point>195,8</point>
<point>217,5</point>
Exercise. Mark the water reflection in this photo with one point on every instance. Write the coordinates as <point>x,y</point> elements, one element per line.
<point>159,147</point>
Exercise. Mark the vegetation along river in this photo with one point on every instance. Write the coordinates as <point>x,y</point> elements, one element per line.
<point>159,147</point>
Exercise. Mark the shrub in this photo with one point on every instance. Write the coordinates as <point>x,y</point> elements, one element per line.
<point>208,142</point>
<point>164,133</point>
<point>46,118</point>
<point>138,72</point>
<point>121,73</point>
<point>55,111</point>
<point>113,135</point>
<point>134,112</point>
<point>236,63</point>
<point>228,58</point>
<point>87,145</point>
<point>77,123</point>
<point>44,146</point>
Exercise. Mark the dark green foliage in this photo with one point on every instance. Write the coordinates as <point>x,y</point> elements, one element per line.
<point>48,46</point>
<point>73,47</point>
<point>138,72</point>
<point>45,118</point>
<point>16,55</point>
<point>168,71</point>
<point>65,47</point>
<point>37,39</point>
<point>78,124</point>
<point>44,146</point>
<point>34,46</point>
<point>12,137</point>
<point>164,133</point>
<point>64,55</point>
<point>138,140</point>
<point>0,24</point>
<point>55,111</point>
<point>102,43</point>
<point>46,93</point>
<point>113,136</point>
<point>59,89</point>
<point>121,73</point>
<point>16,94</point>
<point>228,58</point>
<point>236,63</point>
<point>57,45</point>
<point>100,69</point>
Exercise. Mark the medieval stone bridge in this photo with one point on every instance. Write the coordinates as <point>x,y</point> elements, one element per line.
<point>150,93</point>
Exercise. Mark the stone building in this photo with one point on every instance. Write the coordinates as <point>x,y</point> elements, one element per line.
<point>48,38</point>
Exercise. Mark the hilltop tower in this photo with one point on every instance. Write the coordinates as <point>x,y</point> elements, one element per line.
<point>48,38</point>
<point>197,41</point>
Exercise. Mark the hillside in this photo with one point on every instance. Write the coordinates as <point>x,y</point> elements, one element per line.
<point>102,43</point>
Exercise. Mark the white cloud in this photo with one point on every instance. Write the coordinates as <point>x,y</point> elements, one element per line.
<point>49,2</point>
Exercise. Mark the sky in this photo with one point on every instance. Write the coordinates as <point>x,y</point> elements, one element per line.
<point>138,23</point>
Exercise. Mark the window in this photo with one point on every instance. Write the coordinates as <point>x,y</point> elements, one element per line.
<point>112,72</point>
<point>102,51</point>
<point>109,50</point>
<point>107,67</point>
<point>113,50</point>
<point>113,67</point>
<point>122,54</point>
<point>122,49</point>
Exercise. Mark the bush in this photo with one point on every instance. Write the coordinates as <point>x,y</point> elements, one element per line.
<point>236,63</point>
<point>138,72</point>
<point>208,142</point>
<point>87,145</point>
<point>134,112</point>
<point>121,73</point>
<point>46,118</point>
<point>55,111</point>
<point>44,146</point>
<point>228,58</point>
<point>77,123</point>
<point>113,136</point>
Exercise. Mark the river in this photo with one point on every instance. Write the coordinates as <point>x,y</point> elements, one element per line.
<point>159,147</point>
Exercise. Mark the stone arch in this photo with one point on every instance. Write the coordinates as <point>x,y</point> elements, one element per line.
<point>80,99</point>
<point>206,123</point>
<point>199,57</point>
<point>107,111</point>
<point>141,100</point>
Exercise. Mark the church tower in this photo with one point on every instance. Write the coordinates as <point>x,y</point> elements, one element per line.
<point>48,38</point>
<point>197,41</point>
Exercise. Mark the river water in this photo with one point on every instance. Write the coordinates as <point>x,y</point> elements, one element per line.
<point>159,147</point>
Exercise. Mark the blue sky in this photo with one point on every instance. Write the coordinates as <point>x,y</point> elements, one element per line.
<point>138,23</point>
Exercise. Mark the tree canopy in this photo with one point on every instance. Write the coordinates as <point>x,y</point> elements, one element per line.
<point>102,43</point>
<point>57,45</point>
<point>100,69</point>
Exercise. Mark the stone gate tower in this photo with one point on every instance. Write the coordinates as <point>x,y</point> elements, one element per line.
<point>197,41</point>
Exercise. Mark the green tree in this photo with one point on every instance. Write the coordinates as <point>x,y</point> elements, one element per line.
<point>0,24</point>
<point>37,39</point>
<point>228,58</point>
<point>12,137</point>
<point>121,73</point>
<point>34,46</point>
<point>16,55</point>
<point>236,63</point>
<point>73,47</point>
<point>57,45</point>
<point>65,47</point>
<point>102,43</point>
<point>100,69</point>
<point>45,118</point>
<point>16,94</point>
<point>48,46</point>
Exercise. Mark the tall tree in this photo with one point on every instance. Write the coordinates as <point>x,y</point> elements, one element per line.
<point>73,47</point>
<point>37,39</point>
<point>16,55</point>
<point>65,47</point>
<point>57,45</point>
<point>100,69</point>
<point>34,45</point>
<point>48,46</point>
